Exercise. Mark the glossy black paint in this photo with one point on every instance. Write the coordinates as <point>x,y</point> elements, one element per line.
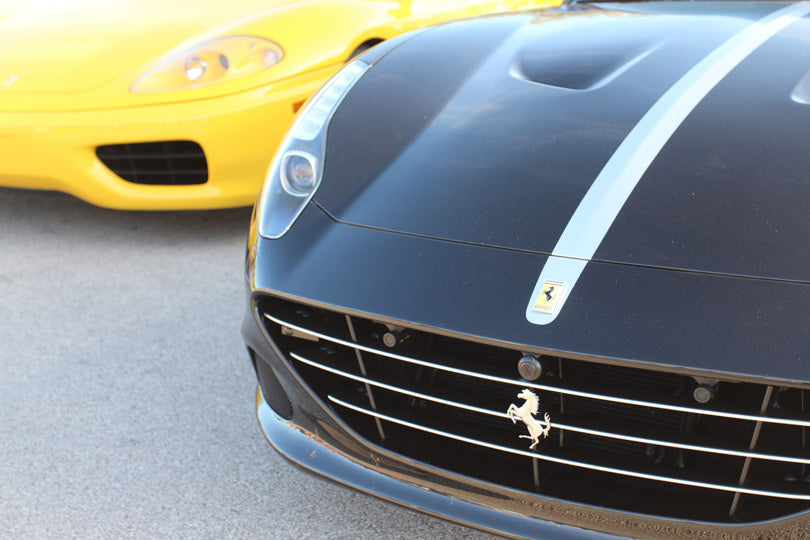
<point>458,288</point>
<point>730,192</point>
<point>506,130</point>
<point>619,313</point>
<point>440,212</point>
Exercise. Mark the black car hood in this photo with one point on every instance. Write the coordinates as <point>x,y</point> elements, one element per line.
<point>492,135</point>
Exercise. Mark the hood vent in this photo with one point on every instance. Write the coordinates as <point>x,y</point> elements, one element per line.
<point>581,64</point>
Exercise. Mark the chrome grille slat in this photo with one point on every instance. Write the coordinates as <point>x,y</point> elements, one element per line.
<point>558,425</point>
<point>410,393</point>
<point>623,437</point>
<point>546,388</point>
<point>562,461</point>
<point>362,367</point>
<point>753,444</point>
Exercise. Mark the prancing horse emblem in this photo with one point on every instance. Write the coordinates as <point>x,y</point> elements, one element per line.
<point>525,412</point>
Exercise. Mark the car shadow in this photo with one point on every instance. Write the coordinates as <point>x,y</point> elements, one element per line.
<point>26,212</point>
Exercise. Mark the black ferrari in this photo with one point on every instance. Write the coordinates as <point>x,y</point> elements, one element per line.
<point>548,273</point>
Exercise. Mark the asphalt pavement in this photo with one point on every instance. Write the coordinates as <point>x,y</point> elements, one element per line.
<point>126,395</point>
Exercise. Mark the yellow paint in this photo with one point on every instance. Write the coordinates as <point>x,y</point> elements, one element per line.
<point>67,69</point>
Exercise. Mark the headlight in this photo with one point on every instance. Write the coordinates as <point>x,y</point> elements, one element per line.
<point>295,172</point>
<point>218,60</point>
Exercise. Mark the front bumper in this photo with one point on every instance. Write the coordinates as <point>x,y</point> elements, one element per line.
<point>238,133</point>
<point>325,452</point>
<point>462,292</point>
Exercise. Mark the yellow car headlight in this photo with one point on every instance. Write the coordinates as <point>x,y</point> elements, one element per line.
<point>211,62</point>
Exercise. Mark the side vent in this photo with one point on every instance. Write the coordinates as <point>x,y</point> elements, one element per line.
<point>274,394</point>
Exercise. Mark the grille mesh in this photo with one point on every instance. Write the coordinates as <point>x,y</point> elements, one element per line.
<point>623,438</point>
<point>167,163</point>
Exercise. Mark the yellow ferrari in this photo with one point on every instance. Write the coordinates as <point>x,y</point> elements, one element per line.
<point>169,104</point>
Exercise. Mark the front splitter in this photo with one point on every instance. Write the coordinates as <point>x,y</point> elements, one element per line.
<point>314,454</point>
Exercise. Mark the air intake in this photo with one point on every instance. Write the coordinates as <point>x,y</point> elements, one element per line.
<point>165,163</point>
<point>629,439</point>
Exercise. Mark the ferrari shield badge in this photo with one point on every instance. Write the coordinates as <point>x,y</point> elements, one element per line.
<point>550,293</point>
<point>525,413</point>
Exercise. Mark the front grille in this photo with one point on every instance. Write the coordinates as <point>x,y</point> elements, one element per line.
<point>165,163</point>
<point>621,438</point>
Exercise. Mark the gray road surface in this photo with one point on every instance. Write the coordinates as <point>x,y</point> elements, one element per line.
<point>126,397</point>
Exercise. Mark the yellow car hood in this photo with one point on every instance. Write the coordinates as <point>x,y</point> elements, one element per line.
<point>67,55</point>
<point>59,47</point>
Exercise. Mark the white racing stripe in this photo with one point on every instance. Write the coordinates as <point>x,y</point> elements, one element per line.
<point>611,189</point>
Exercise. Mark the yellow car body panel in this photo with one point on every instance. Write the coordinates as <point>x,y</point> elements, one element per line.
<point>68,69</point>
